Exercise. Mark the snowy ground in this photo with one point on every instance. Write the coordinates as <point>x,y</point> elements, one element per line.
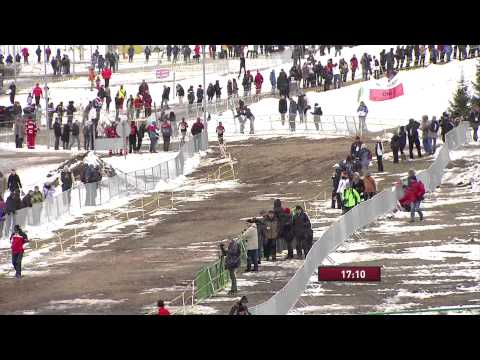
<point>427,92</point>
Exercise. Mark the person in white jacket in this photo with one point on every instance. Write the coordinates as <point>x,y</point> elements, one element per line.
<point>337,80</point>
<point>342,185</point>
<point>251,238</point>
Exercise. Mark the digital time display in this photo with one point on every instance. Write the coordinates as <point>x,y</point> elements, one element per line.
<point>349,273</point>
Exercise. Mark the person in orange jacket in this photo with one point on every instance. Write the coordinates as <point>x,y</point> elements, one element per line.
<point>91,77</point>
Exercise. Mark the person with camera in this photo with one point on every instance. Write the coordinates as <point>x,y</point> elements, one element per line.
<point>232,262</point>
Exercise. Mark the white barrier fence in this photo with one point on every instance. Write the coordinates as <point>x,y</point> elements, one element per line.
<point>355,219</point>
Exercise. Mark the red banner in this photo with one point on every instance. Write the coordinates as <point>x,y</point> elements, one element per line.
<point>386,94</point>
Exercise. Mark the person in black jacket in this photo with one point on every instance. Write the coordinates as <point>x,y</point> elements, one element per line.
<point>57,130</point>
<point>165,96</point>
<point>474,119</point>
<point>67,182</point>
<point>317,113</point>
<point>402,134</point>
<point>13,182</point>
<point>75,135</point>
<point>284,225</point>
<point>336,198</point>
<point>210,93</point>
<point>395,146</point>
<point>199,94</point>
<point>358,184</point>
<point>413,138</point>
<point>140,135</point>
<point>71,109</point>
<point>13,91</point>
<point>66,135</point>
<point>218,90</point>
<point>282,108</point>
<point>301,228</point>
<point>180,93</point>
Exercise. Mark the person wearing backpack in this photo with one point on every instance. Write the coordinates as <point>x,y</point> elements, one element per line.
<point>166,129</point>
<point>232,262</point>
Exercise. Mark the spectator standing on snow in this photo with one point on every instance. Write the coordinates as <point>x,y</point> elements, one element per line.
<point>140,135</point>
<point>17,240</point>
<point>251,238</point>
<point>199,94</point>
<point>433,134</point>
<point>232,262</point>
<point>153,135</point>
<point>131,52</point>
<point>379,153</point>
<point>282,108</point>
<point>258,83</point>
<point>165,96</point>
<point>317,114</point>
<point>272,231</point>
<point>57,131</point>
<point>132,137</point>
<point>350,198</point>
<point>370,187</point>
<point>13,90</point>
<point>13,182</point>
<point>218,90</point>
<point>413,138</point>
<point>31,132</point>
<point>292,114</point>
<point>67,182</point>
<point>273,80</point>
<point>147,52</point>
<point>196,131</point>
<point>395,146</point>
<point>19,128</point>
<point>66,135</point>
<point>425,128</point>
<point>166,129</point>
<point>301,231</point>
<point>180,93</point>
<point>242,64</point>
<point>106,75</point>
<point>362,112</point>
<point>37,92</point>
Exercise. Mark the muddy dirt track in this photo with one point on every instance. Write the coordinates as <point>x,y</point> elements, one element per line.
<point>125,272</point>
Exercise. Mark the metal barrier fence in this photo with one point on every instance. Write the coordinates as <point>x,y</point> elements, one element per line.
<point>357,218</point>
<point>102,192</point>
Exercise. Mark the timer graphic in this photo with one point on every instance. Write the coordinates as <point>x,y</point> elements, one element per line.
<point>349,273</point>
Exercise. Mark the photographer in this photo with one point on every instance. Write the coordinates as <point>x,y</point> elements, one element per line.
<point>232,262</point>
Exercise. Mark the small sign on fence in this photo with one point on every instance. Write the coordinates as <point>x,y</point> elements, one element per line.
<point>162,73</point>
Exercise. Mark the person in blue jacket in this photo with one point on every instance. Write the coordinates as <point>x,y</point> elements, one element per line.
<point>273,81</point>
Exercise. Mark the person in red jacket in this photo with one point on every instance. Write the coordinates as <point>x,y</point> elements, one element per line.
<point>37,93</point>
<point>137,104</point>
<point>132,138</point>
<point>161,308</point>
<point>106,75</point>
<point>196,50</point>
<point>196,130</point>
<point>353,66</point>
<point>25,55</point>
<point>412,197</point>
<point>258,82</point>
<point>31,132</point>
<point>17,240</point>
<point>147,104</point>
